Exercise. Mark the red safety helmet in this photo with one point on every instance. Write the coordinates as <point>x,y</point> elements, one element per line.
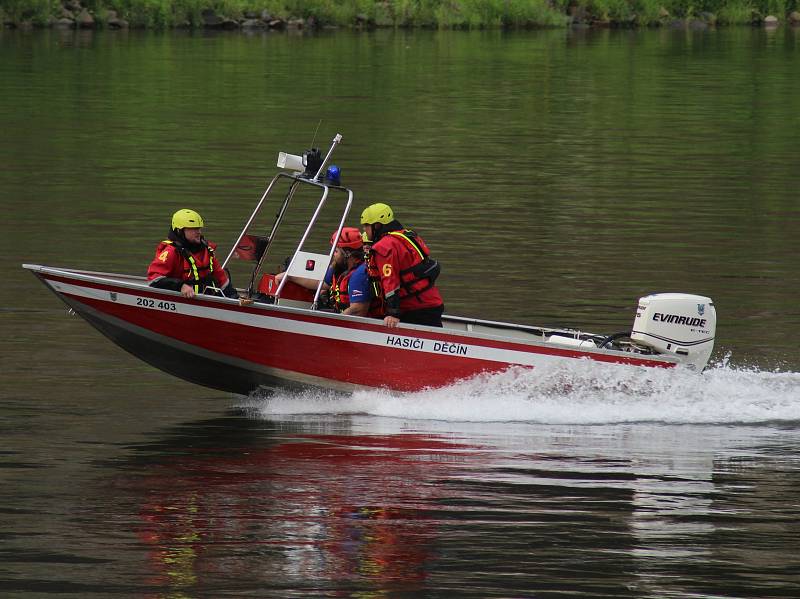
<point>350,238</point>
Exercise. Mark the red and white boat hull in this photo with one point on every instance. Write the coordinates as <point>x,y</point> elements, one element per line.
<point>219,343</point>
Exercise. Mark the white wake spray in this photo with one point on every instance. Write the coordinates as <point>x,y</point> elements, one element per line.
<point>583,393</point>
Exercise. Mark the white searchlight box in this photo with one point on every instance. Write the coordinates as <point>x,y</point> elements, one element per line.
<point>293,162</point>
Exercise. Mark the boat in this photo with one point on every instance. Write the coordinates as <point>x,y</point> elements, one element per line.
<point>277,334</point>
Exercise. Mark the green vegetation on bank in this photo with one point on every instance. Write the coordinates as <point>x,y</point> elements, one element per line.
<point>443,14</point>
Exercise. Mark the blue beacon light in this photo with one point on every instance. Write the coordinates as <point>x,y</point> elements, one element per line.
<point>333,174</point>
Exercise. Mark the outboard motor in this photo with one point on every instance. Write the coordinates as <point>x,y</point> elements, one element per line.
<point>677,324</point>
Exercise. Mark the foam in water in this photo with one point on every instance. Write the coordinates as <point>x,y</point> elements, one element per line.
<point>583,393</point>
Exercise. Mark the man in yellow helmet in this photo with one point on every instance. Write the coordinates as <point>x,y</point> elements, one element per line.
<point>400,264</point>
<point>185,261</point>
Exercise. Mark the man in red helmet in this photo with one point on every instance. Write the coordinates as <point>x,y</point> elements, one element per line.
<point>185,261</point>
<point>346,281</point>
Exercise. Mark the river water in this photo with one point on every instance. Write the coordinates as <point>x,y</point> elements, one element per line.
<point>557,175</point>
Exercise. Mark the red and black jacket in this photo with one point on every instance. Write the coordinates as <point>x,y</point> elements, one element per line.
<point>174,265</point>
<point>401,262</point>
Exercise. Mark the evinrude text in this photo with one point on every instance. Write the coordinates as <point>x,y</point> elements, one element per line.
<point>675,319</point>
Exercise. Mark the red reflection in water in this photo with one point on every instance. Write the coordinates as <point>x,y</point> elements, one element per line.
<point>340,509</point>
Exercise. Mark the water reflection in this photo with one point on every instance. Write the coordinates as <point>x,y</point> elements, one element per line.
<point>338,509</point>
<point>316,504</point>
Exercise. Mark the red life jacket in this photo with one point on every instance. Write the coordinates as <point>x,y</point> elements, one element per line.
<point>421,275</point>
<point>339,290</point>
<point>340,295</point>
<point>374,283</point>
<point>198,268</point>
<point>417,272</point>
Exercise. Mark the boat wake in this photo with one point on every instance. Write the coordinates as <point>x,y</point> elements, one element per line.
<point>585,393</point>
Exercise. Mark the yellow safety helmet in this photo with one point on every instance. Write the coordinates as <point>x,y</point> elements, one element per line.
<point>377,213</point>
<point>186,218</point>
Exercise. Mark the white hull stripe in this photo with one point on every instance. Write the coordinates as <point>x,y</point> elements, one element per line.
<point>394,340</point>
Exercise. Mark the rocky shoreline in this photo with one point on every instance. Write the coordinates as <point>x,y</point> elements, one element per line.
<point>704,20</point>
<point>74,15</point>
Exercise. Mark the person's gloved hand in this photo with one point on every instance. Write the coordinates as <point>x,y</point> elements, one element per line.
<point>324,299</point>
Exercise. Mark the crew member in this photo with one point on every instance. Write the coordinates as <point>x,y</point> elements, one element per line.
<point>350,291</point>
<point>346,282</point>
<point>400,261</point>
<point>185,261</point>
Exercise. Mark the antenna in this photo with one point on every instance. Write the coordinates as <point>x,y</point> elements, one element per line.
<point>313,139</point>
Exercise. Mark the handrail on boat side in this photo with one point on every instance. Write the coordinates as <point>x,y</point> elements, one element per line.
<point>496,324</point>
<point>84,274</point>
